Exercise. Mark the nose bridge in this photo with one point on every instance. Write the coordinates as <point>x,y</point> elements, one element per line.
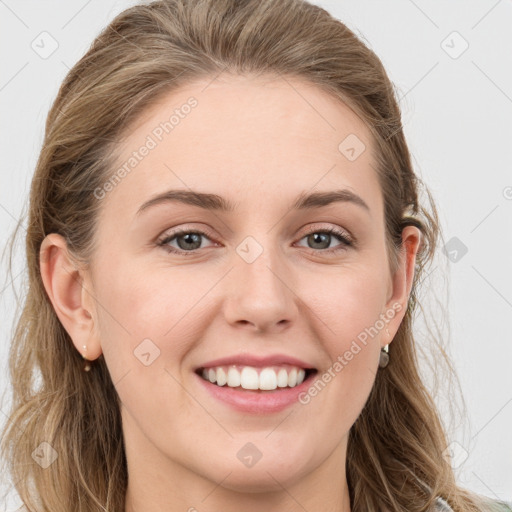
<point>260,291</point>
<point>260,263</point>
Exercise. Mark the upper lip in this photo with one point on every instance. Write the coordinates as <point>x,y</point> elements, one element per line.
<point>257,361</point>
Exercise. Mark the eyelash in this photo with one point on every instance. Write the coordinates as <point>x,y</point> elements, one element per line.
<point>341,235</point>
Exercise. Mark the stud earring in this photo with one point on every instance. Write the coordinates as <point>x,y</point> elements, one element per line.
<point>384,356</point>
<point>87,365</point>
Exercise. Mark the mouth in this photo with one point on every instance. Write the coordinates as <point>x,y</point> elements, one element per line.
<point>256,379</point>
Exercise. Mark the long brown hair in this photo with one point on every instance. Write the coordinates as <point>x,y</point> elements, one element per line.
<point>396,448</point>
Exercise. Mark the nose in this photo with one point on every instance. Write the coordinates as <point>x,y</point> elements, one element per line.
<point>260,294</point>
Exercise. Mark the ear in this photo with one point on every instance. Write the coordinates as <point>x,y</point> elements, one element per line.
<point>400,284</point>
<point>70,296</point>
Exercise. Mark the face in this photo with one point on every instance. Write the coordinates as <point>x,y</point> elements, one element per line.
<point>262,279</point>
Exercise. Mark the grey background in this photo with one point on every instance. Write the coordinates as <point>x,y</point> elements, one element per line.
<point>457,111</point>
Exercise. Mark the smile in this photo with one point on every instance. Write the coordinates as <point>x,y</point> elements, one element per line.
<point>254,390</point>
<point>248,377</point>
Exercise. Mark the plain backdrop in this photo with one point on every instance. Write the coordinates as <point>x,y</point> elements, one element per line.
<point>451,63</point>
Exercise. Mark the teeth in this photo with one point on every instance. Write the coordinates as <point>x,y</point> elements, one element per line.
<point>221,377</point>
<point>292,378</point>
<point>249,378</point>
<point>268,378</point>
<point>233,378</point>
<point>282,378</point>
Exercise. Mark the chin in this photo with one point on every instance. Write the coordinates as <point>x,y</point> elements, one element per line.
<point>259,482</point>
<point>263,476</point>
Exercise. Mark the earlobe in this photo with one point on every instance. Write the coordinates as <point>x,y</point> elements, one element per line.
<point>63,283</point>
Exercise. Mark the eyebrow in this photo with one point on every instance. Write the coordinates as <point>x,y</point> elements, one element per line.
<point>218,203</point>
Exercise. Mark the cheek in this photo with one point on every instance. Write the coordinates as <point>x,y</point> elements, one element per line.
<point>148,325</point>
<point>144,300</point>
<point>143,316</point>
<point>345,312</point>
<point>349,308</point>
<point>346,304</point>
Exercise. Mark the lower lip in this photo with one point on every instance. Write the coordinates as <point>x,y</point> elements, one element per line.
<point>255,401</point>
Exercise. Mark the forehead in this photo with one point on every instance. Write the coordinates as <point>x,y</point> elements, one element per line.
<point>261,138</point>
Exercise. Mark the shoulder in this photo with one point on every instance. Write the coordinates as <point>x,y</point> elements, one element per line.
<point>490,506</point>
<point>501,506</point>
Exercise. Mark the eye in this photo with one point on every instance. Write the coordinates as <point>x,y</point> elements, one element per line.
<point>323,238</point>
<point>189,241</point>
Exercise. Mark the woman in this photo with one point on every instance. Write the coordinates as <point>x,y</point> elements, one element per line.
<point>253,369</point>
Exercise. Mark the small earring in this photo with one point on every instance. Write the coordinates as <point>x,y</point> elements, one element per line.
<point>87,366</point>
<point>384,356</point>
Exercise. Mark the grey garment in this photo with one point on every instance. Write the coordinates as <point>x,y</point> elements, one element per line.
<point>499,506</point>
<point>442,506</point>
<point>493,506</point>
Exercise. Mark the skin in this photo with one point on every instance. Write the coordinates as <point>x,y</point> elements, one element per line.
<point>259,143</point>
